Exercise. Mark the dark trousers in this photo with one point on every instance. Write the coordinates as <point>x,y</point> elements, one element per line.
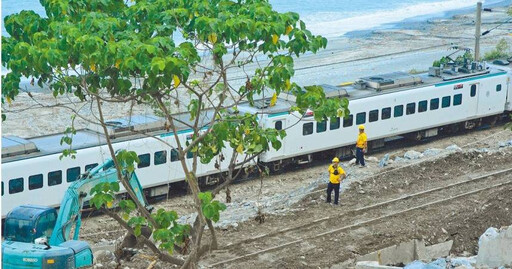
<point>336,188</point>
<point>359,156</point>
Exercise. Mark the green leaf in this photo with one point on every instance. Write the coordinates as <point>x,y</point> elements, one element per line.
<point>137,230</point>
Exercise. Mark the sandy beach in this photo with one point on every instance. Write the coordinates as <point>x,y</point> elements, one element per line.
<point>408,46</point>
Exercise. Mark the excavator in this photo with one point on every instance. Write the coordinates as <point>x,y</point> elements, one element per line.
<point>39,237</point>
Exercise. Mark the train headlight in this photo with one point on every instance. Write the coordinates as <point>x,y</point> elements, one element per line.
<point>50,261</point>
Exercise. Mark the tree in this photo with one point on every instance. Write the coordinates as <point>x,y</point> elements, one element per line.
<point>103,51</point>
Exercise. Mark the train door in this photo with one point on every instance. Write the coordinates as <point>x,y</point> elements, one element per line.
<point>490,96</point>
<point>474,92</point>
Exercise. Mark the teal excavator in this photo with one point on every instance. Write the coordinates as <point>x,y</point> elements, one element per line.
<point>28,227</point>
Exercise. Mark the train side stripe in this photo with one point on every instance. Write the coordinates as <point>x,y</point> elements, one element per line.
<point>469,79</point>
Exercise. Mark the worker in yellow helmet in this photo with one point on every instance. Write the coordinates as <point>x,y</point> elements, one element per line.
<point>361,146</point>
<point>336,175</point>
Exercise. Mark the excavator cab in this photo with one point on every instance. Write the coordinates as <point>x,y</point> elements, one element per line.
<point>26,223</point>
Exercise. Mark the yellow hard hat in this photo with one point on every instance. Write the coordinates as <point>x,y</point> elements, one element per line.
<point>335,160</point>
<point>361,127</point>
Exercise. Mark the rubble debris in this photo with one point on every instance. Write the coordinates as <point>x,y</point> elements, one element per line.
<point>384,161</point>
<point>373,265</point>
<point>454,148</point>
<point>495,247</point>
<point>413,155</point>
<point>432,152</point>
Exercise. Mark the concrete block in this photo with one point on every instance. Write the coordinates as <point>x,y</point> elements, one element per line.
<point>401,253</point>
<point>420,250</point>
<point>408,252</point>
<point>495,248</point>
<point>373,265</point>
<point>437,251</point>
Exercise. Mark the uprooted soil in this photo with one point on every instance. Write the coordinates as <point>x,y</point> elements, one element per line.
<point>462,220</point>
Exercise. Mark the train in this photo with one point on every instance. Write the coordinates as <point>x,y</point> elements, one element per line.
<point>446,98</point>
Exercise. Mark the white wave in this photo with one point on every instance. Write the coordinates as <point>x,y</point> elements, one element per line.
<point>328,24</point>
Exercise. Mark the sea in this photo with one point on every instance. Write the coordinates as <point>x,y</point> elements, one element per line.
<point>335,18</point>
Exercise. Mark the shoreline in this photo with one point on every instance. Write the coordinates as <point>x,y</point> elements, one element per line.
<point>423,21</point>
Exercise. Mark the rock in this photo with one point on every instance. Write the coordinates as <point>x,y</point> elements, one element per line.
<point>371,159</point>
<point>495,247</point>
<point>453,148</point>
<point>437,264</point>
<point>352,162</point>
<point>399,159</point>
<point>384,161</point>
<point>412,155</point>
<point>432,152</point>
<point>103,257</point>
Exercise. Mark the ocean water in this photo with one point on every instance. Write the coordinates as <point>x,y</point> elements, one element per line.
<point>332,18</point>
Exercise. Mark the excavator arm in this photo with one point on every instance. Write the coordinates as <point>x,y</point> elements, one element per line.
<point>70,217</point>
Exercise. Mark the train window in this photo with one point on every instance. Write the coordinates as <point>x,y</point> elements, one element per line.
<point>434,104</point>
<point>90,166</point>
<point>446,101</point>
<point>473,90</point>
<point>321,126</point>
<point>278,125</point>
<point>422,106</point>
<point>160,157</point>
<point>386,113</point>
<point>35,182</point>
<point>190,155</point>
<point>373,115</point>
<point>145,160</point>
<point>334,124</point>
<point>54,178</point>
<point>360,118</point>
<point>174,155</point>
<point>348,121</point>
<point>307,128</point>
<point>399,111</point>
<point>2,188</point>
<point>498,88</point>
<point>457,99</point>
<point>15,185</point>
<point>72,174</point>
<point>410,108</point>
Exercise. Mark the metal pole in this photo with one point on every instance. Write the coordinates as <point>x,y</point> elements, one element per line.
<point>477,30</point>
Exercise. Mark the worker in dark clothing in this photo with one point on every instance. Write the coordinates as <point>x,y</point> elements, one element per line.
<point>336,175</point>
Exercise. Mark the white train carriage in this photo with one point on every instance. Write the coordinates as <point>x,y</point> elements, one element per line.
<point>390,105</point>
<point>33,174</point>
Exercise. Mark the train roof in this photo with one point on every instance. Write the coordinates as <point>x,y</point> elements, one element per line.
<point>139,126</point>
<point>401,81</point>
<point>119,130</point>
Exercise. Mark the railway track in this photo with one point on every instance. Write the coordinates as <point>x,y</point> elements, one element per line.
<point>359,217</point>
<point>395,146</point>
